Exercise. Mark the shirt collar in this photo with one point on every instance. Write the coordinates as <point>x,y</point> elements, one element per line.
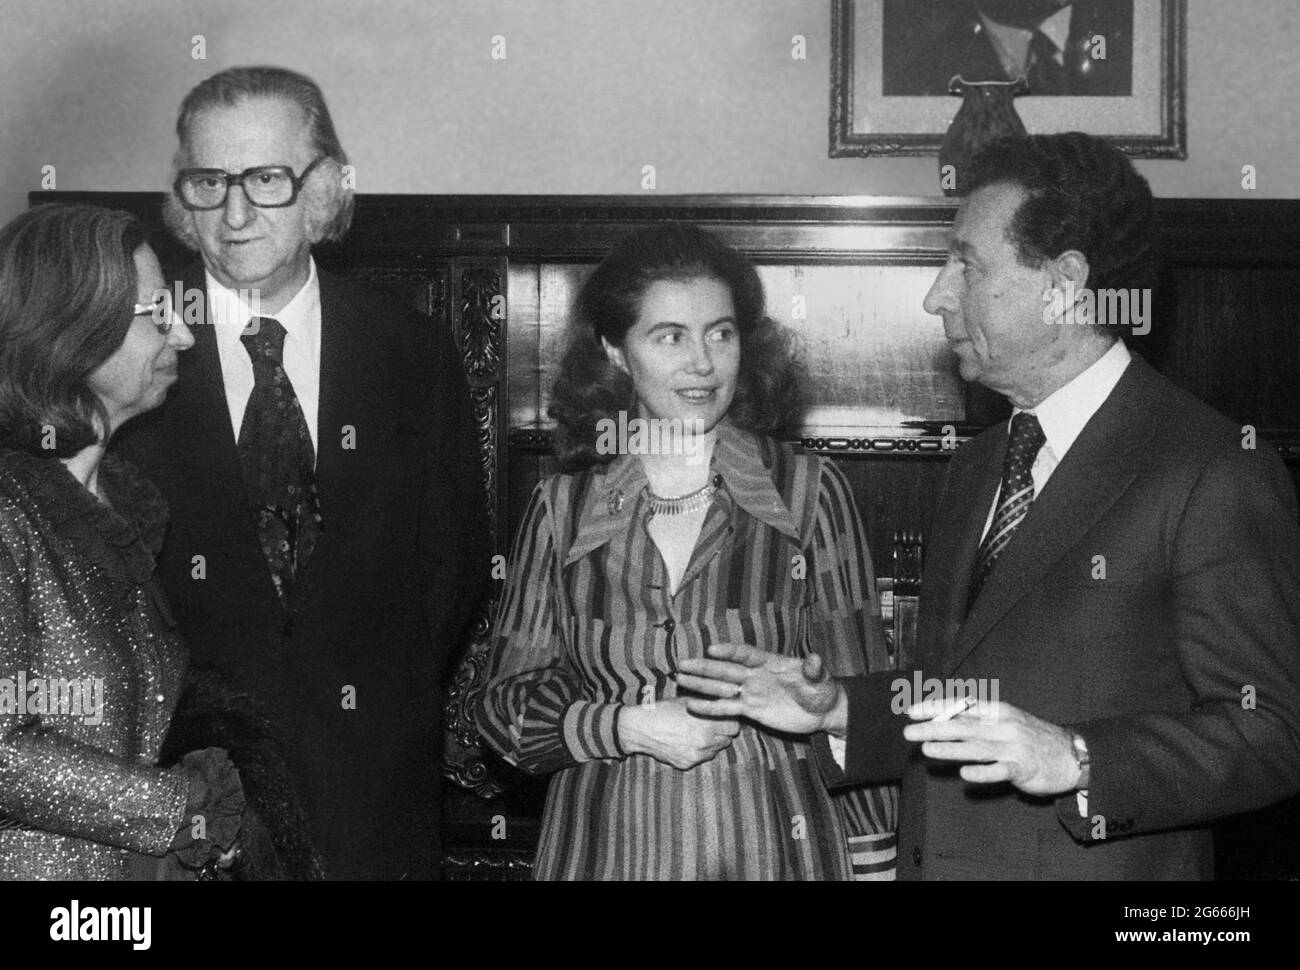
<point>737,467</point>
<point>231,311</point>
<point>1064,413</point>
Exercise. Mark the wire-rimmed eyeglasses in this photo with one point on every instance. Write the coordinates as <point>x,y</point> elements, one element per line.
<point>160,308</point>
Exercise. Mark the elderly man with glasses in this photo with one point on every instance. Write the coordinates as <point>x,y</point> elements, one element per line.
<point>328,539</point>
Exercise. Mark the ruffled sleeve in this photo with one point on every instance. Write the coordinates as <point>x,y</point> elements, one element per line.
<point>213,810</point>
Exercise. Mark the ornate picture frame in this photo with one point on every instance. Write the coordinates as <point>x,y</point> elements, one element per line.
<point>1149,122</point>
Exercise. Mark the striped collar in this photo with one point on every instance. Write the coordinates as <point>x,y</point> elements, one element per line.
<point>744,479</point>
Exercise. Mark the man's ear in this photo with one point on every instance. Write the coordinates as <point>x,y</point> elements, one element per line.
<point>324,195</point>
<point>615,355</point>
<point>1070,269</point>
<point>1066,296</point>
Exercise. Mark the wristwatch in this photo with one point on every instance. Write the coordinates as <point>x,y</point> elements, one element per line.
<point>1082,759</point>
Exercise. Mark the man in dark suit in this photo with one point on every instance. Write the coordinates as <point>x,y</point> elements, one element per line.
<point>327,546</point>
<point>1052,43</point>
<point>1114,574</point>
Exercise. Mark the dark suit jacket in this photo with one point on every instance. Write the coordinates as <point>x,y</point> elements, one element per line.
<point>926,42</point>
<point>386,594</point>
<point>1181,668</point>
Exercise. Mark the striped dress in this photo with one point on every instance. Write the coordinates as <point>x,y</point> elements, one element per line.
<point>586,625</point>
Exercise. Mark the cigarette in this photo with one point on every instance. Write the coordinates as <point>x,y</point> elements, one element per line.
<point>966,704</point>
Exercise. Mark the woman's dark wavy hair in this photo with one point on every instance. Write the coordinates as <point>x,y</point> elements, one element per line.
<point>67,287</point>
<point>769,387</point>
<point>1082,193</point>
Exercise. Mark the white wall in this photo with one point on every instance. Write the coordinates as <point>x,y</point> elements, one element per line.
<point>591,90</point>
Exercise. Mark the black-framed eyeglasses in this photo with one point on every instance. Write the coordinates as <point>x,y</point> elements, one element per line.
<point>160,308</point>
<point>266,186</point>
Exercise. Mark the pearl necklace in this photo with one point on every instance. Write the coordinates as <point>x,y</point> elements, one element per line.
<point>682,504</point>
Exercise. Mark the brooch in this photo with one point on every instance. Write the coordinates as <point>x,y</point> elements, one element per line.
<point>614,501</point>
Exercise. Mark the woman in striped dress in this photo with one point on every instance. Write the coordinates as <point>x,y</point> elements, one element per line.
<point>679,525</point>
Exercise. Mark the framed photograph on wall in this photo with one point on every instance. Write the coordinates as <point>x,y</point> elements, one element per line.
<point>1115,68</point>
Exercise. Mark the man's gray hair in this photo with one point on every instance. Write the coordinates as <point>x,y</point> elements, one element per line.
<point>331,215</point>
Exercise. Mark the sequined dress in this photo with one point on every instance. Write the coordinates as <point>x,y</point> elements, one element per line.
<point>80,616</point>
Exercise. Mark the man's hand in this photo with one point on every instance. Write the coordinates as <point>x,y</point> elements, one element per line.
<point>667,732</point>
<point>787,694</point>
<point>999,743</point>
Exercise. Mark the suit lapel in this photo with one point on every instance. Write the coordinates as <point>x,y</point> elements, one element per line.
<point>204,417</point>
<point>198,416</point>
<point>1096,471</point>
<point>951,556</point>
<point>348,377</point>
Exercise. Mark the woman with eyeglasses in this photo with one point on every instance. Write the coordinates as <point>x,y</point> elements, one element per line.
<point>90,671</point>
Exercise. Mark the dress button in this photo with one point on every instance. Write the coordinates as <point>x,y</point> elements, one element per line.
<point>288,627</point>
<point>916,854</point>
<point>670,625</point>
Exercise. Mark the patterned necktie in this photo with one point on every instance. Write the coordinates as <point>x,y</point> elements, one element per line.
<point>277,458</point>
<point>1045,76</point>
<point>1014,500</point>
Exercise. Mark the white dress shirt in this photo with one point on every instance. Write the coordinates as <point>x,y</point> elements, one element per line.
<point>1062,415</point>
<point>301,321</point>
